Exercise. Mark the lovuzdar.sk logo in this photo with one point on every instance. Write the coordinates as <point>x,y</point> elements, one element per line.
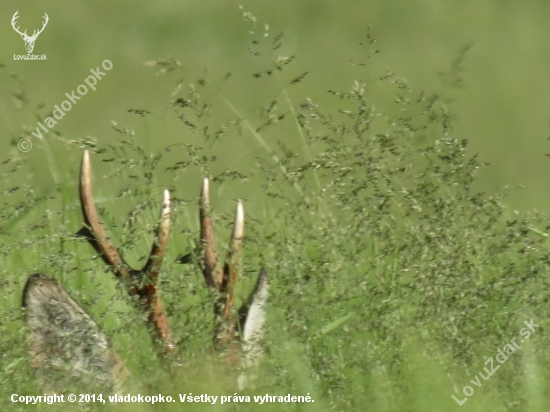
<point>29,40</point>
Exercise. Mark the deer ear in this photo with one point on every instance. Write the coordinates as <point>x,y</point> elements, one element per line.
<point>67,346</point>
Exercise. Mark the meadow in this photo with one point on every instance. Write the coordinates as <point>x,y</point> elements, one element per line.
<point>407,274</point>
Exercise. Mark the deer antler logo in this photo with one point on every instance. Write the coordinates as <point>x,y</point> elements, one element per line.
<point>29,40</point>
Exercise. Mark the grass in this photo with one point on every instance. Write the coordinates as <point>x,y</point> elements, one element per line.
<point>393,279</point>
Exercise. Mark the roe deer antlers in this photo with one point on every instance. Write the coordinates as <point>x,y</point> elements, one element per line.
<point>143,283</point>
<point>62,332</point>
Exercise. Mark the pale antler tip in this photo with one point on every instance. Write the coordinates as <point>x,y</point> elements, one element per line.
<point>85,175</point>
<point>86,160</point>
<point>205,192</point>
<point>239,221</point>
<point>165,211</point>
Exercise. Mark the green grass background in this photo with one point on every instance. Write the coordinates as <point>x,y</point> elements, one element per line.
<point>382,297</point>
<point>502,110</point>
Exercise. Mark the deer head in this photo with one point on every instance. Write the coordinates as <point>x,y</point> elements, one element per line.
<point>29,40</point>
<point>66,340</point>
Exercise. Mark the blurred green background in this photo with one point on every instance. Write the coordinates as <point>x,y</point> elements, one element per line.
<point>503,107</point>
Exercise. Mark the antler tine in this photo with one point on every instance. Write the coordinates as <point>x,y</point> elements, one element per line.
<point>211,269</point>
<point>159,246</point>
<point>99,238</point>
<point>149,292</point>
<point>226,329</point>
<point>232,262</point>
